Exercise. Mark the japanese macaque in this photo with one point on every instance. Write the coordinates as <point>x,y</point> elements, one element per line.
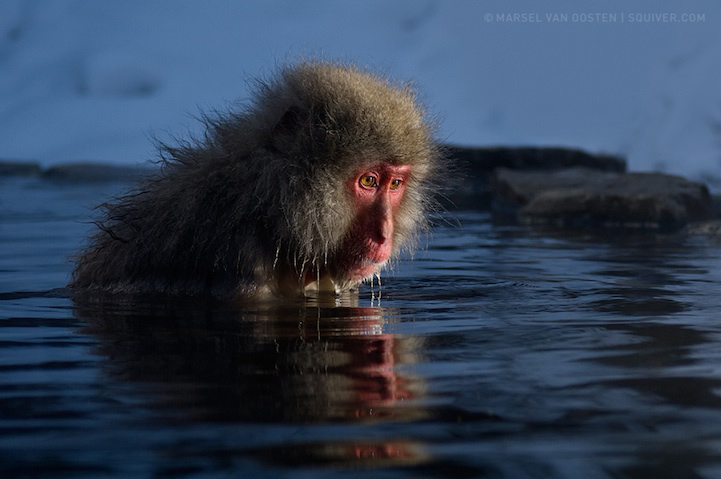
<point>316,185</point>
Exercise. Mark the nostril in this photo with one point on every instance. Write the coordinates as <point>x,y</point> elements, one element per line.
<point>383,234</point>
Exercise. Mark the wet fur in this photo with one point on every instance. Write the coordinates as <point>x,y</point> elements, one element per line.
<point>262,195</point>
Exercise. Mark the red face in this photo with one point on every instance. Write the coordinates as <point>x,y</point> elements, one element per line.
<point>376,193</point>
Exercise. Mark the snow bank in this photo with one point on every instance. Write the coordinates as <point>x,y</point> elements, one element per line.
<point>94,79</point>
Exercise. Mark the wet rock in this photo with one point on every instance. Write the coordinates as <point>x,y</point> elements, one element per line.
<point>585,198</point>
<point>518,188</point>
<point>476,165</point>
<point>716,205</point>
<point>705,228</point>
<point>19,168</point>
<point>95,172</point>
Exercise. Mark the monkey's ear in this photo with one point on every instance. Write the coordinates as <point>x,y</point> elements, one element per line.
<point>282,134</point>
<point>312,122</point>
<point>290,120</point>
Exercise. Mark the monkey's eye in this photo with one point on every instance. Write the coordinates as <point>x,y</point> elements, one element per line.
<point>368,181</point>
<point>395,184</point>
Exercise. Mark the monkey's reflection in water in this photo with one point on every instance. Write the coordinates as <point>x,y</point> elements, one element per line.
<point>307,364</point>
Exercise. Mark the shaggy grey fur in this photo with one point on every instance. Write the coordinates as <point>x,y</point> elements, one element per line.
<point>263,194</point>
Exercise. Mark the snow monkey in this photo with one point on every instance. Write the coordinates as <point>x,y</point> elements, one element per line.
<point>316,184</point>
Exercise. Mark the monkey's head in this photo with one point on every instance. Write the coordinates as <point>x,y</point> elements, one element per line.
<point>348,165</point>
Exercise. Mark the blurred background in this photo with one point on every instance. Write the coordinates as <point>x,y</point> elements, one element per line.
<point>97,79</point>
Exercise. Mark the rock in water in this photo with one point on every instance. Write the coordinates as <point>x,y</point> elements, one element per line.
<point>584,198</point>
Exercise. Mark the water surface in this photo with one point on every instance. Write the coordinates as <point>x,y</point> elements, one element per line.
<point>498,351</point>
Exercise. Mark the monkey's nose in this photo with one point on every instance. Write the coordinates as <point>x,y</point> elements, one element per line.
<point>386,230</point>
<point>383,245</point>
<point>384,225</point>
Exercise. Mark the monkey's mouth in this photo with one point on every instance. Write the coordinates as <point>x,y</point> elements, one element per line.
<point>361,259</point>
<point>375,259</point>
<point>376,253</point>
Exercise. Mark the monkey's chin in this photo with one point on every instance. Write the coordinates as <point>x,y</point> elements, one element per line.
<point>365,270</point>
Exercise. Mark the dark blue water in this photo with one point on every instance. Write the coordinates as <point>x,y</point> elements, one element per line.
<point>499,351</point>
